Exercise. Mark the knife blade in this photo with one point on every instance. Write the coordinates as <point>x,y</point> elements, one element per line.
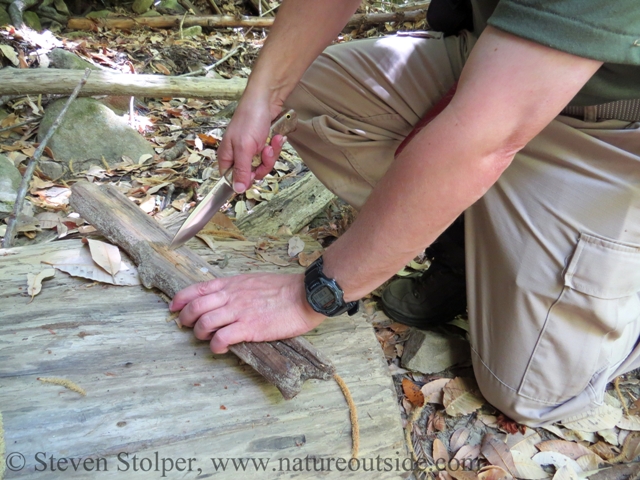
<point>284,124</point>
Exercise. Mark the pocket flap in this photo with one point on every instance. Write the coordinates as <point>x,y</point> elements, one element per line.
<point>604,268</point>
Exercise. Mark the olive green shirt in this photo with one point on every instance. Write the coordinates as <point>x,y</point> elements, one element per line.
<point>608,31</point>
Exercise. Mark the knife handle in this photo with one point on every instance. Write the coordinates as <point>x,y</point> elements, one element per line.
<point>283,124</point>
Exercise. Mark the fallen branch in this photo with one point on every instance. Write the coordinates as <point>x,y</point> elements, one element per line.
<point>58,81</point>
<point>293,208</point>
<point>285,363</point>
<point>12,221</point>
<point>222,21</point>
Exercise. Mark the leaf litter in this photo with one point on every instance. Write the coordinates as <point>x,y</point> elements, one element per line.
<point>169,186</point>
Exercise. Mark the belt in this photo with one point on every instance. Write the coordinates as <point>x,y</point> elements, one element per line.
<point>627,110</point>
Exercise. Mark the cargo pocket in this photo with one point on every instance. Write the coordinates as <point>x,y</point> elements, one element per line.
<point>600,297</point>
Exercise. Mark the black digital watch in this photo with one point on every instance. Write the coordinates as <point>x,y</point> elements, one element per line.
<point>324,294</point>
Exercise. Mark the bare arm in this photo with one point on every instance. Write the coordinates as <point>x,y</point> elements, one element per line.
<point>510,89</point>
<point>301,31</point>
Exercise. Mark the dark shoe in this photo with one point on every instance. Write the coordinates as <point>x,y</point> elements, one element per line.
<point>432,298</point>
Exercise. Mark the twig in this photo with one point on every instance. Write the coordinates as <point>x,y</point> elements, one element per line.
<point>189,6</point>
<point>215,6</point>
<point>353,415</point>
<point>182,23</point>
<point>11,127</point>
<point>26,178</point>
<point>211,67</point>
<point>616,385</point>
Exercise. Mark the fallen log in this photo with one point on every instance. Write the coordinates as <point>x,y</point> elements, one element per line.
<point>293,208</point>
<point>286,363</point>
<point>222,21</point>
<point>58,81</point>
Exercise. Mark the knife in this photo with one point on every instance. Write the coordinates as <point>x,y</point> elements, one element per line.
<point>283,124</point>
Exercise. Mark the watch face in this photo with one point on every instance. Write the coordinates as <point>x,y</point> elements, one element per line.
<point>323,297</point>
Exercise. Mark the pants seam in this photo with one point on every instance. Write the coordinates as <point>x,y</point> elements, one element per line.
<point>507,386</point>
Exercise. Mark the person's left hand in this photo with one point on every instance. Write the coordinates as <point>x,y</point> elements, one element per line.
<point>258,307</point>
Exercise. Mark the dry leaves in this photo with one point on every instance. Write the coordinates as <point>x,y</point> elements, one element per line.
<point>35,281</point>
<point>412,392</point>
<point>434,391</point>
<point>106,255</point>
<point>461,396</point>
<point>498,454</point>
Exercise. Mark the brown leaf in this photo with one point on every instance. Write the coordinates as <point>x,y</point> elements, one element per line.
<point>630,447</point>
<point>106,255</point>
<point>34,282</point>
<point>468,451</point>
<point>458,439</point>
<point>434,391</point>
<point>497,453</point>
<point>493,473</point>
<point>440,452</point>
<point>604,450</point>
<point>461,397</point>
<point>412,392</point>
<point>510,426</point>
<point>275,259</point>
<point>306,260</point>
<point>572,450</point>
<point>463,474</point>
<point>208,140</point>
<point>439,422</point>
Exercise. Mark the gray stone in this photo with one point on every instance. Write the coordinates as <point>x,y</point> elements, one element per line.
<point>141,6</point>
<point>51,169</point>
<point>32,20</point>
<point>10,179</point>
<point>5,19</point>
<point>432,352</point>
<point>91,130</point>
<point>60,58</point>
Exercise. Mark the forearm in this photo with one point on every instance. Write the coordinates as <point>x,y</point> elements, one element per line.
<point>301,31</point>
<point>428,186</point>
<point>510,89</point>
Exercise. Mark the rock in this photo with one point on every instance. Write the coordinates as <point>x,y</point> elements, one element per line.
<point>432,352</point>
<point>169,7</point>
<point>32,20</point>
<point>10,179</point>
<point>192,31</point>
<point>91,130</point>
<point>141,6</point>
<point>51,169</point>
<point>61,58</point>
<point>5,19</point>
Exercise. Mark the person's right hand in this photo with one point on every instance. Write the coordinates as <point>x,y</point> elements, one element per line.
<point>245,137</point>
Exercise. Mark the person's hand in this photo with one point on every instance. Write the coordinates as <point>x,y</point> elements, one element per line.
<point>245,137</point>
<point>257,307</point>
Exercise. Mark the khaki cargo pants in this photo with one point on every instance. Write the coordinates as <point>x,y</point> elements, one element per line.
<point>553,249</point>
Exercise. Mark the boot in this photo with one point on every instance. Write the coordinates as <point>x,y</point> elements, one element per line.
<point>437,295</point>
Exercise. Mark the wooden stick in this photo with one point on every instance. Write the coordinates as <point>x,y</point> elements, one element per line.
<point>12,222</point>
<point>222,21</point>
<point>60,81</point>
<point>286,363</point>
